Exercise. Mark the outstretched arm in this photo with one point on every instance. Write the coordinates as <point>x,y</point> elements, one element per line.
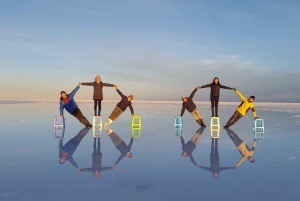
<point>225,87</point>
<point>193,93</point>
<point>240,161</point>
<point>192,159</point>
<point>182,111</point>
<point>61,108</point>
<point>70,158</point>
<point>85,169</point>
<point>225,168</point>
<point>108,85</point>
<point>253,113</point>
<point>206,86</point>
<point>130,143</point>
<point>131,109</point>
<point>74,92</point>
<point>120,93</point>
<point>205,168</point>
<point>119,159</point>
<point>87,83</point>
<point>60,146</point>
<point>182,141</point>
<point>253,145</point>
<point>240,95</point>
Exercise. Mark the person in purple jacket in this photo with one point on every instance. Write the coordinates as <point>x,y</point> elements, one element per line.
<point>120,145</point>
<point>189,104</point>
<point>98,94</point>
<point>120,107</point>
<point>67,102</point>
<point>96,159</point>
<point>66,152</point>
<point>188,148</point>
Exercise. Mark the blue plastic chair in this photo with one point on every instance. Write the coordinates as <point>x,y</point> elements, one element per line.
<point>258,125</point>
<point>178,122</point>
<point>178,131</point>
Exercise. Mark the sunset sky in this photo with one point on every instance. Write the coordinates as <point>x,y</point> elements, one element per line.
<point>154,49</point>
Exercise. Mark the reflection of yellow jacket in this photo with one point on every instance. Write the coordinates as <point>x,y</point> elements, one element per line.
<point>245,152</point>
<point>245,105</point>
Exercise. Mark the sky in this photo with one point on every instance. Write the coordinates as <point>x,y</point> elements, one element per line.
<point>154,49</point>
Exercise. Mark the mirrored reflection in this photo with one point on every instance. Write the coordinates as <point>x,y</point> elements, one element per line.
<point>96,160</point>
<point>124,149</point>
<point>66,151</point>
<point>245,151</point>
<point>189,147</point>
<point>215,168</point>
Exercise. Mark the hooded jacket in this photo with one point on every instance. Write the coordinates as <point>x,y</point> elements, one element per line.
<point>245,105</point>
<point>245,151</point>
<point>124,103</point>
<point>189,105</point>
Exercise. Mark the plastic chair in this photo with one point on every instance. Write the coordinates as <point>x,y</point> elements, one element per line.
<point>259,136</point>
<point>215,127</point>
<point>136,122</point>
<point>258,125</point>
<point>95,123</point>
<point>178,122</point>
<point>59,122</point>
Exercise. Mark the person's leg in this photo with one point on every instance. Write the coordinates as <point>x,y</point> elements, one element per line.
<point>235,114</point>
<point>212,100</point>
<point>197,116</point>
<point>114,115</point>
<point>233,138</point>
<point>95,107</point>
<point>94,146</point>
<point>99,145</point>
<point>83,118</point>
<point>216,98</point>
<point>195,139</point>
<point>235,120</point>
<point>99,107</point>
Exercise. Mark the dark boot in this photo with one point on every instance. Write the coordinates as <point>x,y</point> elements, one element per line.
<point>95,113</point>
<point>202,123</point>
<point>216,112</point>
<point>212,112</point>
<point>199,122</point>
<point>99,110</point>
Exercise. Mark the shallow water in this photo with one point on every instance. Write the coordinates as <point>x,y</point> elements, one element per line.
<point>30,169</point>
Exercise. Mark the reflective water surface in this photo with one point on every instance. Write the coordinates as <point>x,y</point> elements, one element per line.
<point>162,167</point>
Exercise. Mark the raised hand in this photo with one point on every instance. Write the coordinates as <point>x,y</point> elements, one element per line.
<point>198,87</point>
<point>233,89</point>
<point>79,83</point>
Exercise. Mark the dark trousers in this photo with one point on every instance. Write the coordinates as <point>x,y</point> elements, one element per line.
<point>97,102</point>
<point>77,113</point>
<point>77,139</point>
<point>214,153</point>
<point>214,101</point>
<point>235,117</point>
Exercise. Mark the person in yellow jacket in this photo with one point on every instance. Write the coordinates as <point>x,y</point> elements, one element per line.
<point>242,109</point>
<point>246,152</point>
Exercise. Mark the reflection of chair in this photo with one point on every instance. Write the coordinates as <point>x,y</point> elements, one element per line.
<point>59,122</point>
<point>136,132</point>
<point>95,123</point>
<point>215,127</point>
<point>258,125</point>
<point>259,136</point>
<point>178,131</point>
<point>59,133</point>
<point>178,122</point>
<point>136,126</point>
<point>97,132</point>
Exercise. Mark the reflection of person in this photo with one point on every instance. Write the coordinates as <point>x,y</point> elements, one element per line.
<point>242,109</point>
<point>215,87</point>
<point>189,104</point>
<point>120,145</point>
<point>214,160</point>
<point>120,107</point>
<point>241,146</point>
<point>98,94</point>
<point>67,102</point>
<point>188,148</point>
<point>66,152</point>
<point>96,158</point>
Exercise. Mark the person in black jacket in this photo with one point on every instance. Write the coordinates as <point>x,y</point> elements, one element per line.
<point>215,87</point>
<point>120,108</point>
<point>120,145</point>
<point>189,104</point>
<point>188,148</point>
<point>96,158</point>
<point>98,94</point>
<point>214,160</point>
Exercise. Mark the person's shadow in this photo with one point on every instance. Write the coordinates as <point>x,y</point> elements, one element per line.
<point>66,152</point>
<point>214,160</point>
<point>96,160</point>
<point>189,147</point>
